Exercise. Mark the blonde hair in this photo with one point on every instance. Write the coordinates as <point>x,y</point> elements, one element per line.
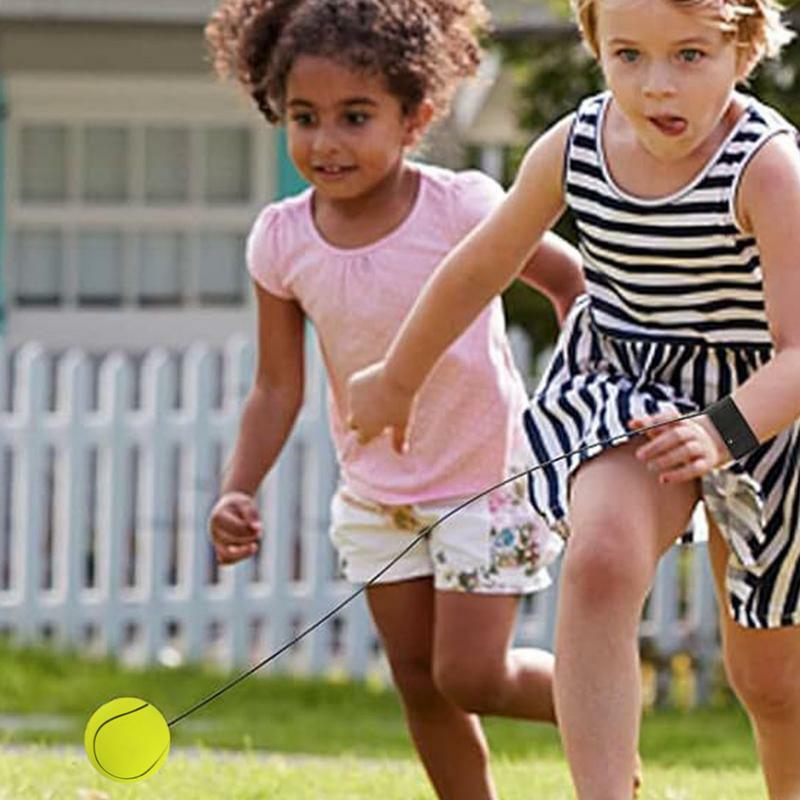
<point>755,24</point>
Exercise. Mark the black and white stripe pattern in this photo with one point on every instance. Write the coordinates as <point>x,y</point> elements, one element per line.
<point>674,319</point>
<point>670,268</point>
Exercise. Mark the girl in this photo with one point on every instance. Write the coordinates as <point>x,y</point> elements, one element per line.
<point>681,188</point>
<point>357,82</point>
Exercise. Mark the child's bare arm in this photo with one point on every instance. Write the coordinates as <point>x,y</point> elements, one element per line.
<point>483,264</point>
<point>555,270</point>
<point>479,268</point>
<point>268,416</point>
<point>770,399</point>
<point>276,396</point>
<point>770,205</point>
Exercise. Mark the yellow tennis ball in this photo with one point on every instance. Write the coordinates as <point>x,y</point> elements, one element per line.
<point>127,739</point>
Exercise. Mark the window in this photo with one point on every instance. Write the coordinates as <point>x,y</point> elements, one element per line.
<point>112,203</point>
<point>99,272</point>
<point>105,165</point>
<point>40,266</point>
<point>166,166</point>
<point>43,164</point>
<point>162,266</point>
<point>221,279</point>
<point>228,170</point>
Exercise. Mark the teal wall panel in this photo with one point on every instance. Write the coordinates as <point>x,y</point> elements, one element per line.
<point>289,180</point>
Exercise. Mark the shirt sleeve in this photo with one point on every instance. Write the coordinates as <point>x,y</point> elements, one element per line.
<point>264,259</point>
<point>476,196</point>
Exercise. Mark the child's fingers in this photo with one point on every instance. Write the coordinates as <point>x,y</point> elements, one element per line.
<point>642,422</point>
<point>242,539</point>
<point>362,432</point>
<point>658,442</point>
<point>639,423</point>
<point>235,509</point>
<point>675,455</point>
<point>230,554</point>
<point>233,529</point>
<point>669,435</point>
<point>253,520</point>
<point>399,442</point>
<point>238,550</point>
<point>685,472</point>
<point>663,416</point>
<point>662,445</point>
<point>246,510</point>
<point>364,438</point>
<point>243,507</point>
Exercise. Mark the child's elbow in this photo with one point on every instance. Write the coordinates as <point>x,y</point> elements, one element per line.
<point>271,394</point>
<point>555,271</point>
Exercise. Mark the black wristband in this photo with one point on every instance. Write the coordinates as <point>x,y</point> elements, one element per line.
<point>732,427</point>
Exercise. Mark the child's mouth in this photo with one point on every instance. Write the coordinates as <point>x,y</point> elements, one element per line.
<point>669,125</point>
<point>332,171</point>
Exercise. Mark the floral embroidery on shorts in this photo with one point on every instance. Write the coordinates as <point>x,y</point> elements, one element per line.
<point>463,580</point>
<point>515,541</point>
<point>515,537</point>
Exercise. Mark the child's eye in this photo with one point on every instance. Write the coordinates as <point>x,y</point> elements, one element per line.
<point>303,120</point>
<point>627,54</point>
<point>357,117</point>
<point>691,55</point>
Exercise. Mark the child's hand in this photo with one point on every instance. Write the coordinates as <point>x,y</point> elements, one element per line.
<point>374,404</point>
<point>681,452</point>
<point>235,527</point>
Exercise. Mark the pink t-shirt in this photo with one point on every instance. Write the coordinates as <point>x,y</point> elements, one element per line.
<point>469,410</point>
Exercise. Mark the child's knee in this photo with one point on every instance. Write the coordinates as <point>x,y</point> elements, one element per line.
<point>474,685</point>
<point>765,701</point>
<point>601,569</point>
<point>768,687</point>
<point>413,678</point>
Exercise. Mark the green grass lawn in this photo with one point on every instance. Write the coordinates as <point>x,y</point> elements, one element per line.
<point>355,732</point>
<point>37,776</point>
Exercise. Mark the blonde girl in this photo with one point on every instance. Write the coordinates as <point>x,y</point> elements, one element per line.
<point>686,195</point>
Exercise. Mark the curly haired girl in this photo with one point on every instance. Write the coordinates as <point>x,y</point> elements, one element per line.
<point>356,83</point>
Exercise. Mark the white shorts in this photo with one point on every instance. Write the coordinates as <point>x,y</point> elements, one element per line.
<point>496,545</point>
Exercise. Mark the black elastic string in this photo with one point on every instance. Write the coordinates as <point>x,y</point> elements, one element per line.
<point>422,534</point>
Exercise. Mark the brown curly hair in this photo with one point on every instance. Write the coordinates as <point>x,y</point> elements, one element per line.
<point>422,48</point>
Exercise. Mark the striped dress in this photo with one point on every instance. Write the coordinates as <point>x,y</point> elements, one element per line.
<point>673,319</point>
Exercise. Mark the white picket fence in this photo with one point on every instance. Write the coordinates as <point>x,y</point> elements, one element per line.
<point>107,473</point>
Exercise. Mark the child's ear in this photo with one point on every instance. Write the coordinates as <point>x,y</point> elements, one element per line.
<point>417,123</point>
<point>746,60</point>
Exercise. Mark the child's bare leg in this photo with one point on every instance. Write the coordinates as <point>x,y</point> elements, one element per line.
<point>474,665</point>
<point>762,667</point>
<point>450,742</point>
<point>622,519</point>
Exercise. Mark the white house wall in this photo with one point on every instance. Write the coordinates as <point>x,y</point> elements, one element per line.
<point>195,102</point>
<point>101,47</point>
<point>161,10</point>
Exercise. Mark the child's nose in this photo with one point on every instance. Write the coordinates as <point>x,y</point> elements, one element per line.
<point>658,81</point>
<point>325,141</point>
